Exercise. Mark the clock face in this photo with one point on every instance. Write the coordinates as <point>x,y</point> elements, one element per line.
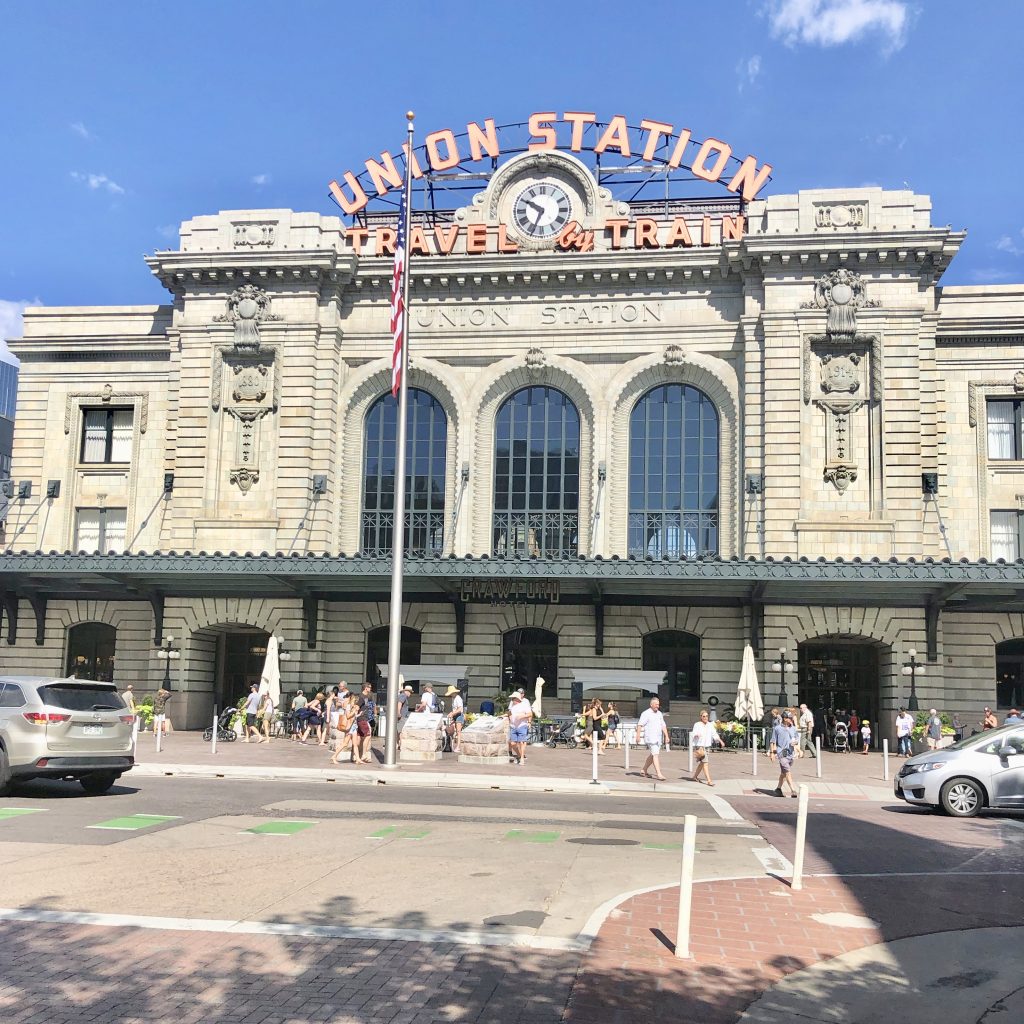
<point>542,209</point>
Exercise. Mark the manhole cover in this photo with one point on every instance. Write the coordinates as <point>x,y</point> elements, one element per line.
<point>605,842</point>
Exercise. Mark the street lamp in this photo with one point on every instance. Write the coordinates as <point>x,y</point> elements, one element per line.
<point>167,654</point>
<point>780,666</point>
<point>281,652</point>
<point>911,668</point>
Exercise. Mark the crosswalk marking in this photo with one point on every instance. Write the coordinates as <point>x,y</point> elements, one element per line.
<point>134,822</point>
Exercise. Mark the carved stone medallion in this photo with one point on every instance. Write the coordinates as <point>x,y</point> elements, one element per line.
<point>839,373</point>
<point>248,307</point>
<point>841,292</point>
<point>250,382</point>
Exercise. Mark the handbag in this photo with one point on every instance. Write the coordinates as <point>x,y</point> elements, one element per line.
<point>363,727</point>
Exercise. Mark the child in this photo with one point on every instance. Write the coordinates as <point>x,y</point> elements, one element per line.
<point>865,735</point>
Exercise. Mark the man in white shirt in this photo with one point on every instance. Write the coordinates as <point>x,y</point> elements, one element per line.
<point>651,729</point>
<point>806,724</point>
<point>519,717</point>
<point>702,738</point>
<point>904,729</point>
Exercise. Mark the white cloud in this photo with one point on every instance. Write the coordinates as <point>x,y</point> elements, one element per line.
<point>98,181</point>
<point>79,129</point>
<point>261,179</point>
<point>1010,245</point>
<point>835,22</point>
<point>747,71</point>
<point>10,324</point>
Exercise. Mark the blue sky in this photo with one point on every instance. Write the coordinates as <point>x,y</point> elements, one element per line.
<point>122,119</point>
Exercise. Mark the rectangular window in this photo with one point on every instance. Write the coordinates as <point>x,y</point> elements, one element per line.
<point>107,435</point>
<point>1006,525</point>
<point>1004,429</point>
<point>100,529</point>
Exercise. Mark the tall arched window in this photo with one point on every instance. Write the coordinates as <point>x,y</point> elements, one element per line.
<point>91,647</point>
<point>673,474</point>
<point>377,640</point>
<point>677,654</point>
<point>425,454</point>
<point>537,474</point>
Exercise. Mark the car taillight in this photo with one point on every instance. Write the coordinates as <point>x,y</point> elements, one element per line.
<point>127,719</point>
<point>42,717</point>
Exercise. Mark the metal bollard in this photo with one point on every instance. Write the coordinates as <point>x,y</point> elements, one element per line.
<point>801,838</point>
<point>213,739</point>
<point>593,752</point>
<point>753,750</point>
<point>686,887</point>
<point>885,760</point>
<point>817,760</point>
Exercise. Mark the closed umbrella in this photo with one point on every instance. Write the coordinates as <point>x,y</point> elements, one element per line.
<point>538,690</point>
<point>270,680</point>
<point>749,704</point>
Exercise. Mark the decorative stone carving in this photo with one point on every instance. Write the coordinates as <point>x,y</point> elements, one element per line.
<point>845,215</point>
<point>250,382</point>
<point>536,362</point>
<point>252,234</point>
<point>841,292</point>
<point>841,476</point>
<point>1018,381</point>
<point>245,477</point>
<point>674,356</point>
<point>248,307</point>
<point>839,373</point>
<point>107,396</point>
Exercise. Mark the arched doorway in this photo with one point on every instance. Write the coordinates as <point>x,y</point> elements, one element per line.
<point>677,654</point>
<point>91,647</point>
<point>528,652</point>
<point>836,673</point>
<point>1010,674</point>
<point>377,640</point>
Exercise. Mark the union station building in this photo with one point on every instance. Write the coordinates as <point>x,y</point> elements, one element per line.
<point>644,431</point>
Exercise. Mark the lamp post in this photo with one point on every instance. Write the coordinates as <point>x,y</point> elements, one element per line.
<point>167,654</point>
<point>911,668</point>
<point>780,666</point>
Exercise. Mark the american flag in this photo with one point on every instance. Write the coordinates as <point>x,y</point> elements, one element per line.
<point>398,302</point>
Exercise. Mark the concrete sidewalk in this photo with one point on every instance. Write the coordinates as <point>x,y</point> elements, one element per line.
<point>845,776</point>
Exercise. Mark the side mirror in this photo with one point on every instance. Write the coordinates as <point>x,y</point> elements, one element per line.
<point>1005,752</point>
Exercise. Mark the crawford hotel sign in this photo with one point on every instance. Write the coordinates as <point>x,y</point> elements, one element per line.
<point>546,204</point>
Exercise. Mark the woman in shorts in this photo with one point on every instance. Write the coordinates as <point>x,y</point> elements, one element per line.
<point>703,737</point>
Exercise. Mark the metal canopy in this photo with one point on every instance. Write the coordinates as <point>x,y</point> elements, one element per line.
<point>970,586</point>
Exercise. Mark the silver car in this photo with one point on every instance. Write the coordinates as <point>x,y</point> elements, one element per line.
<point>63,729</point>
<point>986,770</point>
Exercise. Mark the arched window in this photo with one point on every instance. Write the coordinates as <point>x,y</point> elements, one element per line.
<point>425,455</point>
<point>91,647</point>
<point>677,654</point>
<point>377,649</point>
<point>526,653</point>
<point>673,474</point>
<point>1010,674</point>
<point>537,475</point>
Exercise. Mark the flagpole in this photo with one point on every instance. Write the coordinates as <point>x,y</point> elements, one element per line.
<point>398,530</point>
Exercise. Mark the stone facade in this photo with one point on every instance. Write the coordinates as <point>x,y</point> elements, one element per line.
<point>841,371</point>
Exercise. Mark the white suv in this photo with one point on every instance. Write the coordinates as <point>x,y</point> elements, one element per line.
<point>63,729</point>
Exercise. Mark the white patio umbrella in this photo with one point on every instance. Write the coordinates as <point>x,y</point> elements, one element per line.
<point>749,704</point>
<point>537,696</point>
<point>270,680</point>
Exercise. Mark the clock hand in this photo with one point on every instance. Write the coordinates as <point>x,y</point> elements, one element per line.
<point>540,210</point>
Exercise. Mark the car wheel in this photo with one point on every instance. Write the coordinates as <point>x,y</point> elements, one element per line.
<point>98,782</point>
<point>962,798</point>
<point>5,772</point>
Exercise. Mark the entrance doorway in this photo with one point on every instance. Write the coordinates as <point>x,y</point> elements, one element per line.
<point>91,647</point>
<point>526,653</point>
<point>840,675</point>
<point>241,655</point>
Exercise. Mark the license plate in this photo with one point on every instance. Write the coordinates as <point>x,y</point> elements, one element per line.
<point>92,730</point>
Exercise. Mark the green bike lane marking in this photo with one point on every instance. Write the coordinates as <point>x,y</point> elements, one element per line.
<point>394,832</point>
<point>278,828</point>
<point>521,836</point>
<point>662,846</point>
<point>135,822</point>
<point>17,812</point>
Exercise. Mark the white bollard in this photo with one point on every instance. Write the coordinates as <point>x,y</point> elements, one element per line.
<point>686,887</point>
<point>753,751</point>
<point>593,752</point>
<point>213,739</point>
<point>801,838</point>
<point>817,760</point>
<point>689,751</point>
<point>135,737</point>
<point>158,725</point>
<point>625,737</point>
<point>885,760</point>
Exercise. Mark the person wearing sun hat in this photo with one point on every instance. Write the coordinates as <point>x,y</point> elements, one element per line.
<point>457,716</point>
<point>865,735</point>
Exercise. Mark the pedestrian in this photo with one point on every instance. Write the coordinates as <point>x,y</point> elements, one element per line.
<point>345,735</point>
<point>933,729</point>
<point>520,713</point>
<point>612,731</point>
<point>456,717</point>
<point>654,731</point>
<point>160,723</point>
<point>781,747</point>
<point>865,736</point>
<point>403,712</point>
<point>332,709</point>
<point>703,737</point>
<point>595,716</point>
<point>129,699</point>
<point>1013,718</point>
<point>904,729</point>
<point>989,721</point>
<point>428,700</point>
<point>268,708</point>
<point>312,717</point>
<point>958,728</point>
<point>806,724</point>
<point>365,721</point>
<point>252,707</point>
<point>854,725</point>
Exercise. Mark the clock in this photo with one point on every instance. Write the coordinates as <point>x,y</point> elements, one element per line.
<point>541,210</point>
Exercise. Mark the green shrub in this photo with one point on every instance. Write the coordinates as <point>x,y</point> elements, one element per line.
<point>922,722</point>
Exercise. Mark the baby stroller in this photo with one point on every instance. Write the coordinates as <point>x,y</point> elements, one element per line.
<point>841,738</point>
<point>564,732</point>
<point>224,732</point>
